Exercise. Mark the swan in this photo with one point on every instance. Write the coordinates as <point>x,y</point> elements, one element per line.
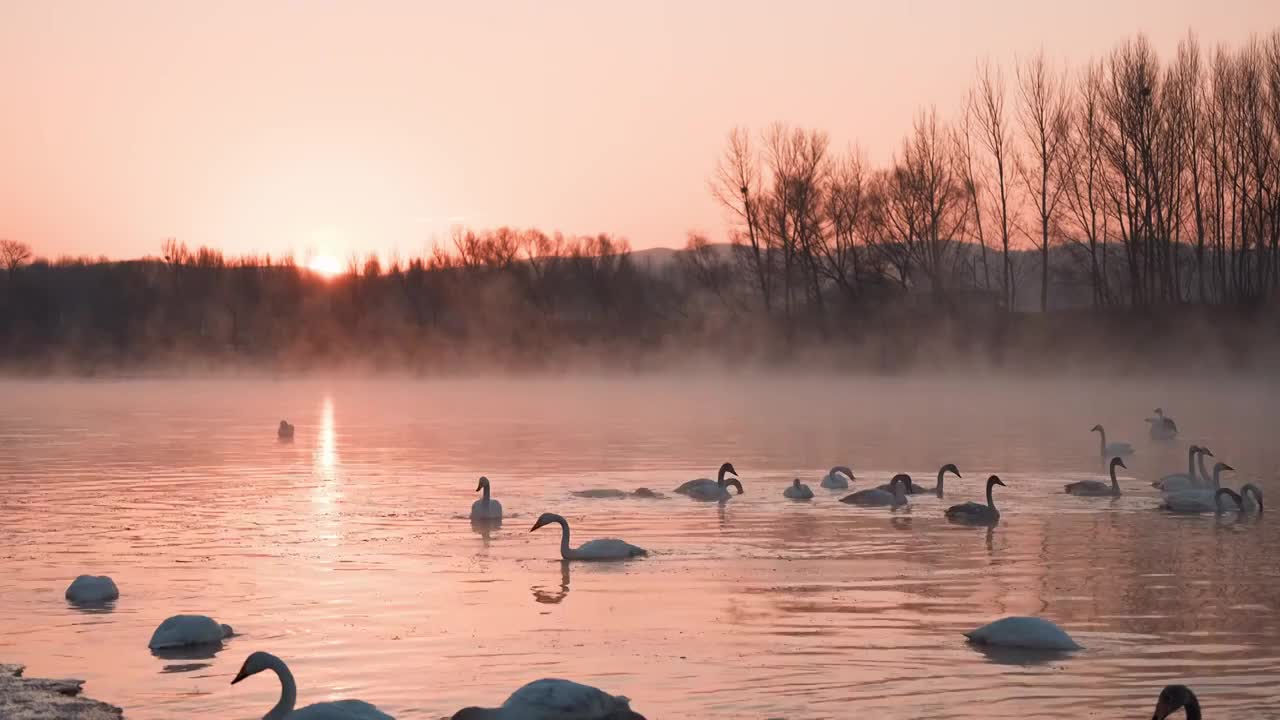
<point>601,549</point>
<point>973,513</point>
<point>1162,428</point>
<point>335,710</point>
<point>552,699</point>
<point>718,489</point>
<point>1023,632</point>
<point>1174,698</point>
<point>184,630</point>
<point>835,478</point>
<point>1187,480</point>
<point>615,494</point>
<point>1096,487</point>
<point>916,488</point>
<point>485,508</point>
<point>92,589</point>
<point>894,496</point>
<point>1244,503</point>
<point>286,430</point>
<point>1197,500</point>
<point>1115,448</point>
<point>798,491</point>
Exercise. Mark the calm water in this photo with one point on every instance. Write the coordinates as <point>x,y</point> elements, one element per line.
<point>348,552</point>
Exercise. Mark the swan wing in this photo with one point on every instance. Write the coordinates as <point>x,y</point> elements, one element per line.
<point>1024,632</point>
<point>339,710</point>
<point>702,487</point>
<point>1174,482</point>
<point>834,481</point>
<point>1190,501</point>
<point>1088,487</point>
<point>608,549</point>
<point>486,510</point>
<point>871,496</point>
<point>600,493</point>
<point>554,699</point>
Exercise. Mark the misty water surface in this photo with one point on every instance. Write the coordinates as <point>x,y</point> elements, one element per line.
<point>348,552</point>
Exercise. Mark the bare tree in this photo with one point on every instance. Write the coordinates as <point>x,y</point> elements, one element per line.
<point>987,103</point>
<point>1082,174</point>
<point>14,254</point>
<point>1043,116</point>
<point>737,187</point>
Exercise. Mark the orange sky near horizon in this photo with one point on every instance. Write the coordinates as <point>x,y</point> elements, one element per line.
<point>332,128</point>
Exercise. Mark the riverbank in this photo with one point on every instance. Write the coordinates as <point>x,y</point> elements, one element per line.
<point>44,699</point>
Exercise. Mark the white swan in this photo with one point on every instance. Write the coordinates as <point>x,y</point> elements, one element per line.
<point>1196,500</point>
<point>835,479</point>
<point>184,630</point>
<point>335,710</point>
<point>1023,632</point>
<point>798,491</point>
<point>485,508</point>
<point>1187,480</point>
<point>552,699</point>
<point>1110,449</point>
<point>1244,503</point>
<point>285,432</point>
<point>1174,698</point>
<point>1095,488</point>
<point>1162,428</point>
<point>894,496</point>
<point>972,513</point>
<point>706,489</point>
<point>601,549</point>
<point>92,589</point>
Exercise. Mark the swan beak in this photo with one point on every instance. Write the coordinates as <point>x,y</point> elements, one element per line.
<point>479,486</point>
<point>1228,467</point>
<point>240,676</point>
<point>536,526</point>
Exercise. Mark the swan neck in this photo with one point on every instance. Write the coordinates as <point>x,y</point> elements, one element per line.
<point>1193,709</point>
<point>1191,463</point>
<point>1204,474</point>
<point>1115,484</point>
<point>564,537</point>
<point>991,502</point>
<point>1102,441</point>
<point>941,473</point>
<point>288,690</point>
<point>485,487</point>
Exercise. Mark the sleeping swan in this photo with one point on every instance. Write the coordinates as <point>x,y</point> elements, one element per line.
<point>1032,633</point>
<point>706,489</point>
<point>184,630</point>
<point>601,549</point>
<point>91,590</point>
<point>335,710</point>
<point>972,513</point>
<point>552,699</point>
<point>485,508</point>
<point>798,491</point>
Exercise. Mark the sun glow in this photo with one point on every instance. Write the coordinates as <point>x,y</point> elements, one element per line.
<point>326,265</point>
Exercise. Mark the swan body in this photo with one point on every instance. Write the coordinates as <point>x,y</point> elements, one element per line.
<point>1032,633</point>
<point>285,431</point>
<point>91,589</point>
<point>1096,488</point>
<point>601,549</point>
<point>1198,499</point>
<point>894,496</point>
<point>485,508</point>
<point>283,710</point>
<point>1174,698</point>
<point>837,478</point>
<point>1189,479</point>
<point>798,491</point>
<point>184,630</point>
<point>613,493</point>
<point>1110,449</point>
<point>552,699</point>
<point>706,489</point>
<point>972,513</point>
<point>1162,428</point>
<point>645,492</point>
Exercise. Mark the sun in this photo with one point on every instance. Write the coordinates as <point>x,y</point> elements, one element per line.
<point>326,265</point>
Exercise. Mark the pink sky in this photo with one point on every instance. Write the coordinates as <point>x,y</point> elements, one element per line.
<point>333,127</point>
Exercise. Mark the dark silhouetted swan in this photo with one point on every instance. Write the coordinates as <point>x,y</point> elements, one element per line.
<point>184,630</point>
<point>335,710</point>
<point>1174,698</point>
<point>972,513</point>
<point>1096,488</point>
<point>285,432</point>
<point>552,699</point>
<point>1023,632</point>
<point>893,496</point>
<point>798,491</point>
<point>486,508</point>
<point>706,489</point>
<point>92,589</point>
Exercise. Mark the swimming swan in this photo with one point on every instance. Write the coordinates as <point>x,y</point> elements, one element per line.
<point>485,508</point>
<point>1196,500</point>
<point>894,496</point>
<point>1244,503</point>
<point>335,710</point>
<point>1174,698</point>
<point>1115,448</point>
<point>1162,428</point>
<point>552,699</point>
<point>285,431</point>
<point>601,549</point>
<point>973,513</point>
<point>1023,632</point>
<point>916,488</point>
<point>92,589</point>
<point>1189,479</point>
<point>835,478</point>
<point>718,489</point>
<point>1096,488</point>
<point>798,491</point>
<point>184,630</point>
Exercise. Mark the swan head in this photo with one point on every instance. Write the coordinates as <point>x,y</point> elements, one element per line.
<point>1257,493</point>
<point>254,664</point>
<point>1117,462</point>
<point>484,483</point>
<point>901,479</point>
<point>1159,411</point>
<point>795,483</point>
<point>1172,699</point>
<point>995,480</point>
<point>1096,428</point>
<point>1219,467</point>
<point>1204,450</point>
<point>725,468</point>
<point>546,519</point>
<point>950,468</point>
<point>733,482</point>
<point>842,469</point>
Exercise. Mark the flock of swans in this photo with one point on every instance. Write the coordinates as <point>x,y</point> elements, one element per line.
<point>1195,491</point>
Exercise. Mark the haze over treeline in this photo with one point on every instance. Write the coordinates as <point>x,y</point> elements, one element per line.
<point>1126,212</point>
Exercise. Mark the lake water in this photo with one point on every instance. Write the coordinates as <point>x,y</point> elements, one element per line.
<point>348,552</point>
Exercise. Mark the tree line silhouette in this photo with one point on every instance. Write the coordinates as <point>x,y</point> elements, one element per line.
<point>1131,204</point>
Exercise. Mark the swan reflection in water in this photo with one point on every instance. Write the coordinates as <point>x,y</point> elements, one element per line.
<point>549,596</point>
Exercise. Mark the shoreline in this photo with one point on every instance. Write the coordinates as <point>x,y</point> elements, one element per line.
<point>23,698</point>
